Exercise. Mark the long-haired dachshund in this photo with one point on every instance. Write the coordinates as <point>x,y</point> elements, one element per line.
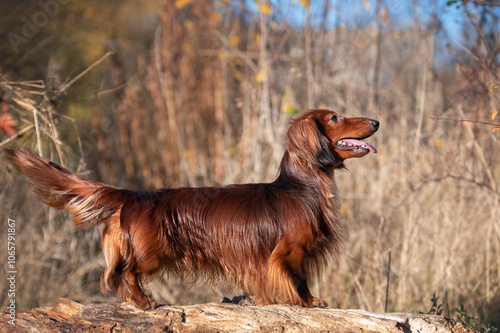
<point>268,239</point>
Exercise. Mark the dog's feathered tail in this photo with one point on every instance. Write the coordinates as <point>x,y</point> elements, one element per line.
<point>87,201</point>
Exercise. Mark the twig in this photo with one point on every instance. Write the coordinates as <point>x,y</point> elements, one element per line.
<point>463,120</point>
<point>37,130</point>
<point>88,69</point>
<point>107,91</point>
<point>447,312</point>
<point>80,147</point>
<point>388,278</point>
<point>33,83</point>
<point>32,51</point>
<point>236,50</point>
<point>15,136</point>
<point>418,188</point>
<point>423,92</point>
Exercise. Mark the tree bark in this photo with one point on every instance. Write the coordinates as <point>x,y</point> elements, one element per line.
<point>71,316</point>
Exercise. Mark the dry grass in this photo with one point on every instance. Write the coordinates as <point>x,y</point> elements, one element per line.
<point>430,196</point>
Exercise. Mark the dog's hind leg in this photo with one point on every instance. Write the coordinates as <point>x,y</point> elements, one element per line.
<point>135,292</point>
<point>119,275</point>
<point>111,249</point>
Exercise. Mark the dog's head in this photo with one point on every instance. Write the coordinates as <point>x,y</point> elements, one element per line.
<point>325,138</point>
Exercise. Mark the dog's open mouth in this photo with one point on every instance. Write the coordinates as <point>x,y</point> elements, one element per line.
<point>354,144</point>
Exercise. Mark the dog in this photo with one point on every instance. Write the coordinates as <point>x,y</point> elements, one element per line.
<point>269,239</point>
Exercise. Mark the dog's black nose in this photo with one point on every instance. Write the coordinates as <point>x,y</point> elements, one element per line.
<point>375,123</point>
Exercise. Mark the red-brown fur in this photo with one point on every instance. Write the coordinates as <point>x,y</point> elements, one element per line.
<point>266,238</point>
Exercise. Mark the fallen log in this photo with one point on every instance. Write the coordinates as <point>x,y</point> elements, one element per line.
<point>71,316</point>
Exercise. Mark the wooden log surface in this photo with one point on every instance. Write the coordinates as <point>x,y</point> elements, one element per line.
<point>72,316</point>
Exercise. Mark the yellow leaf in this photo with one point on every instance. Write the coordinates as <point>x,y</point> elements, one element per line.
<point>179,4</point>
<point>493,85</point>
<point>238,76</point>
<point>495,129</point>
<point>216,17</point>
<point>265,8</point>
<point>366,5</point>
<point>304,3</point>
<point>235,40</point>
<point>493,115</point>
<point>222,55</point>
<point>345,208</point>
<point>438,143</point>
<point>189,25</point>
<point>384,16</point>
<point>260,76</point>
<point>290,109</point>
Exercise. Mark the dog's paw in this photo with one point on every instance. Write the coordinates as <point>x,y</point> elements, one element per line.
<point>317,303</point>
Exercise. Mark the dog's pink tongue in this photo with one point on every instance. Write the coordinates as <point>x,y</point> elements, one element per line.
<point>360,143</point>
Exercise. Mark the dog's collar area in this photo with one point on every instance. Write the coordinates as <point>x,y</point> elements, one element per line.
<point>354,144</point>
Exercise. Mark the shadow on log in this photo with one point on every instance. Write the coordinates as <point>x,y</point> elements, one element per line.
<point>71,316</point>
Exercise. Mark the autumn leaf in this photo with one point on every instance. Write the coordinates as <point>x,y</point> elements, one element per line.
<point>493,115</point>
<point>345,207</point>
<point>495,129</point>
<point>304,3</point>
<point>216,17</point>
<point>438,143</point>
<point>238,76</point>
<point>179,4</point>
<point>235,40</point>
<point>367,5</point>
<point>7,123</point>
<point>290,109</point>
<point>384,16</point>
<point>260,76</point>
<point>493,85</point>
<point>264,8</point>
<point>288,104</point>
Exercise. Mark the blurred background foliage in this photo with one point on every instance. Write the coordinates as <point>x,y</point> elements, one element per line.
<point>154,94</point>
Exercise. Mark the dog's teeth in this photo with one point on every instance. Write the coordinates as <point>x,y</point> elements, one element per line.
<point>363,146</point>
<point>349,144</point>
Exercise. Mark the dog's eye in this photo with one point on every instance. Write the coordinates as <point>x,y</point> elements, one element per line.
<point>334,118</point>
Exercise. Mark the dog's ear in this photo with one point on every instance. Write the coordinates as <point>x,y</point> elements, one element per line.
<point>305,140</point>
